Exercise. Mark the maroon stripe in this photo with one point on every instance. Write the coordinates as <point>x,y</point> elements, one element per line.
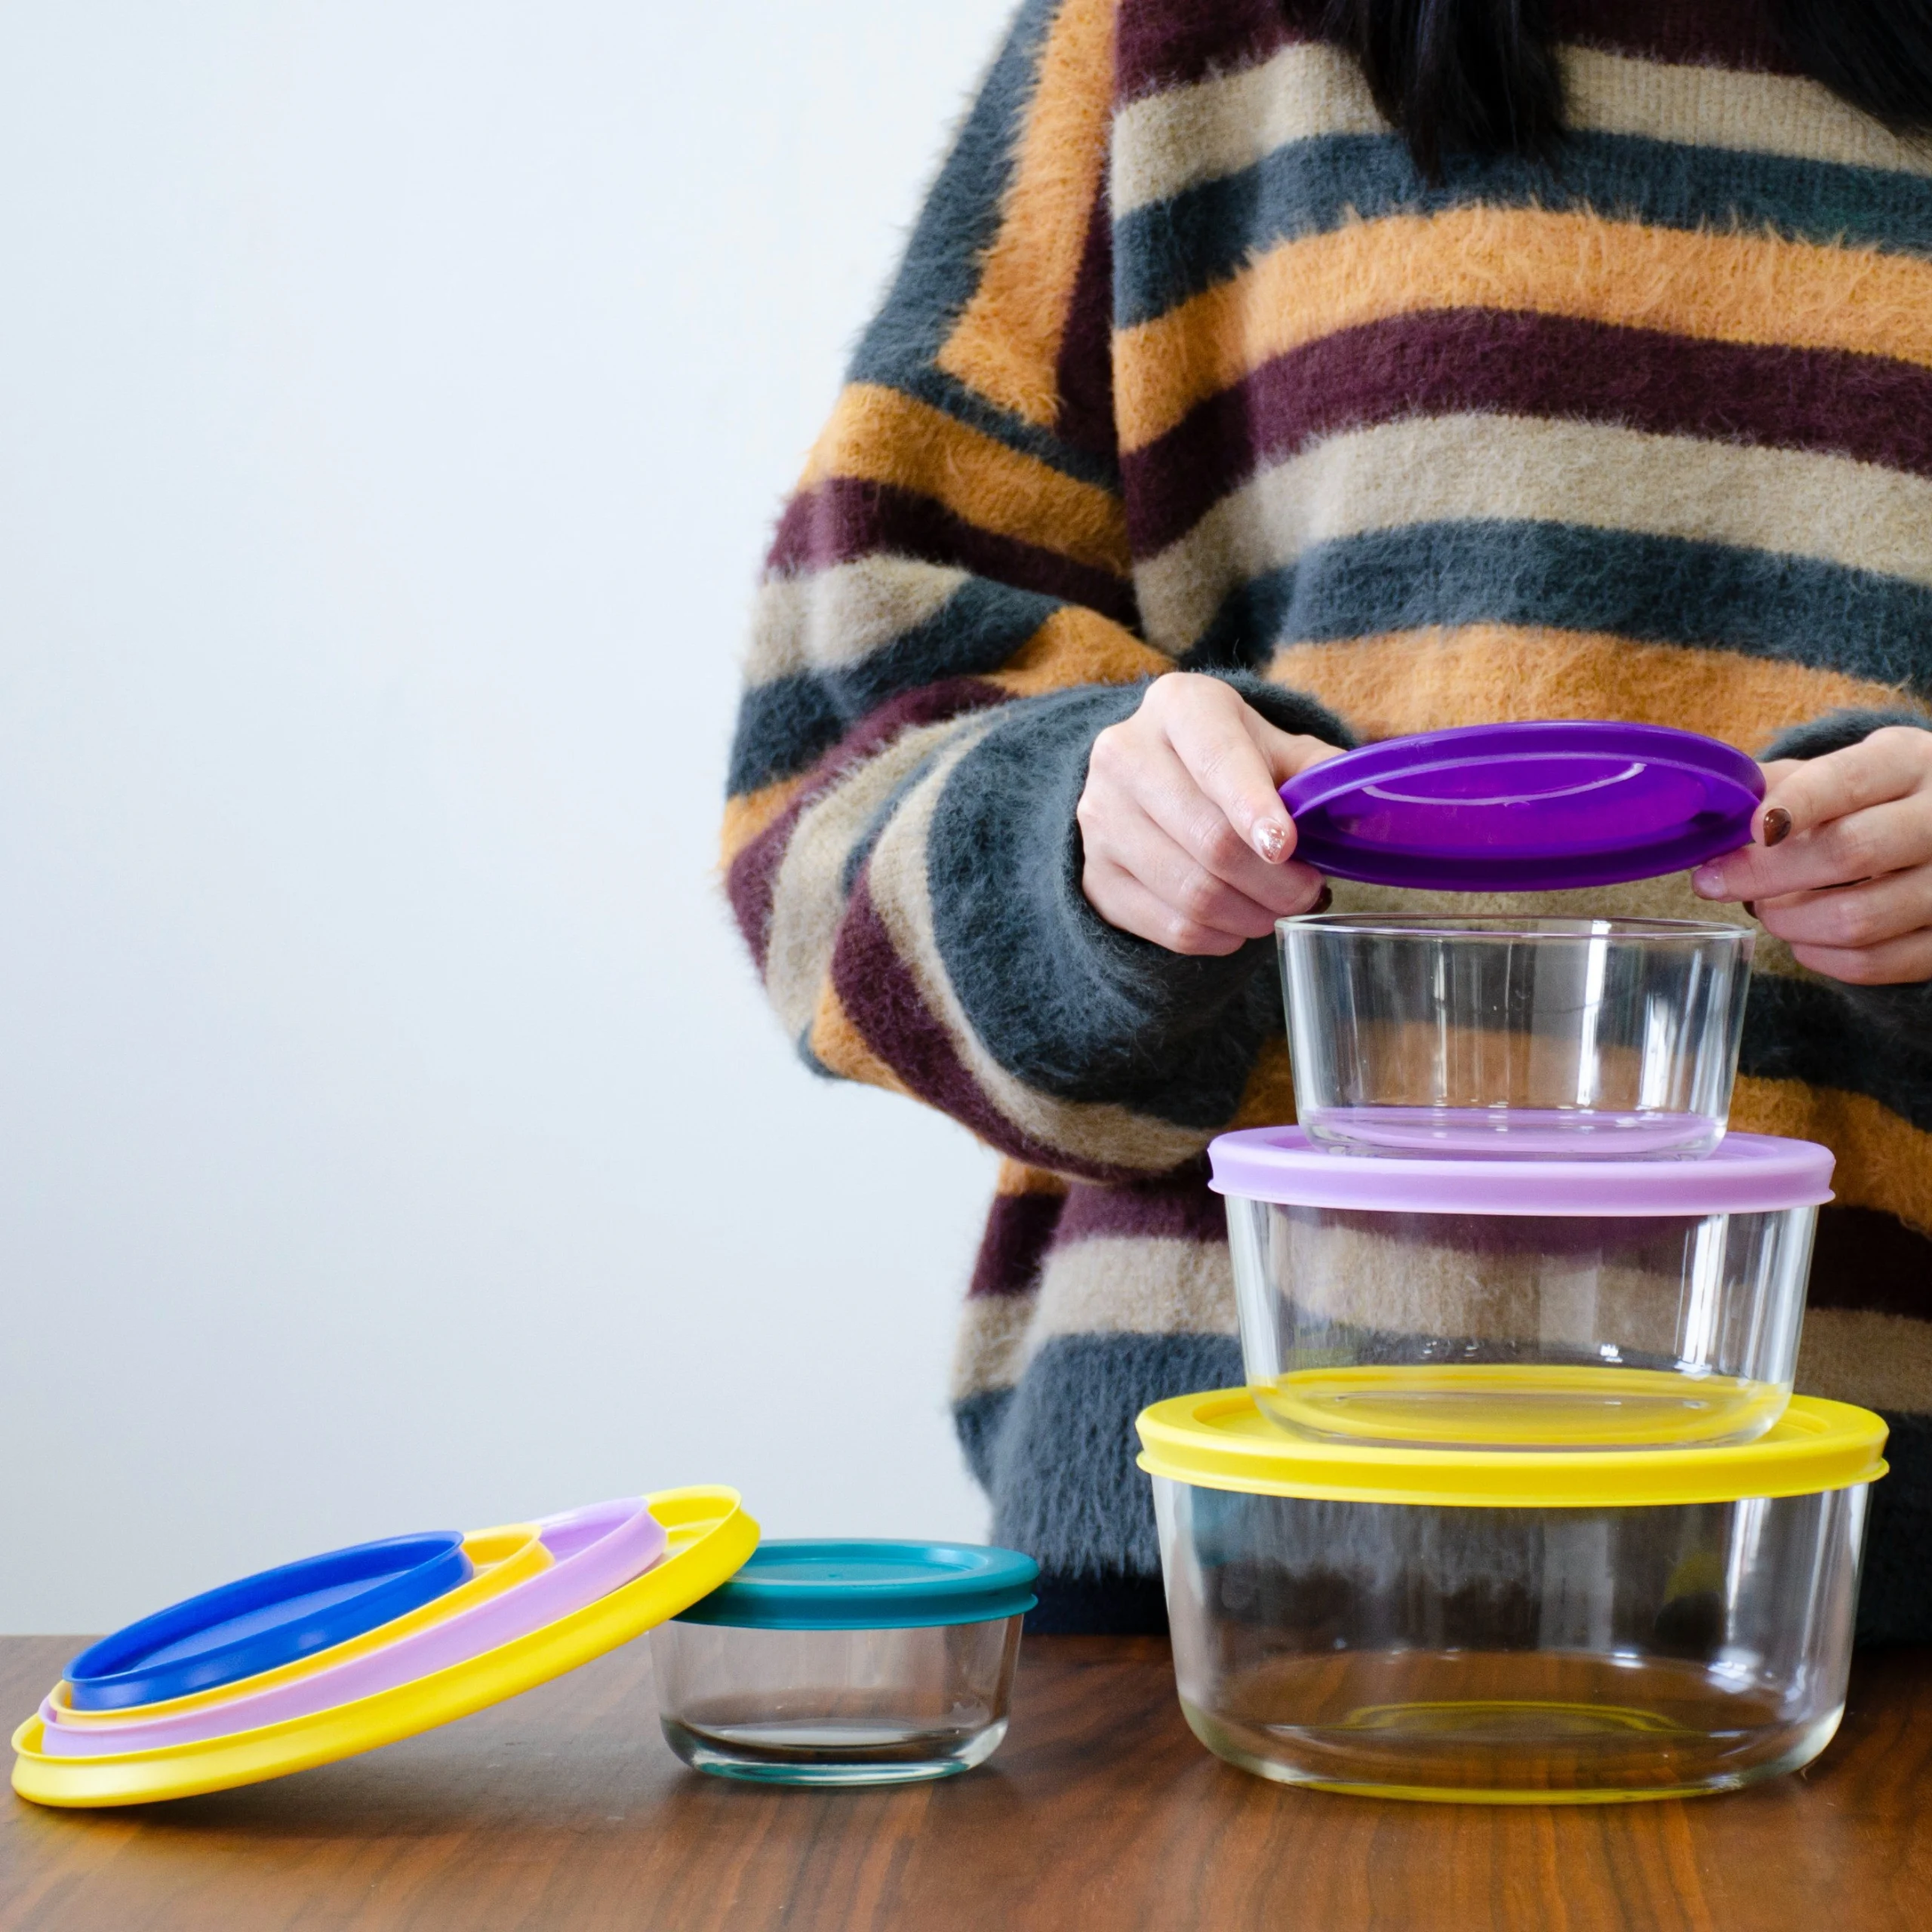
<point>1180,1208</point>
<point>1019,1227</point>
<point>881,998</point>
<point>1084,374</point>
<point>752,876</point>
<point>846,518</point>
<point>1720,33</point>
<point>1866,407</point>
<point>1870,1261</point>
<point>1171,44</point>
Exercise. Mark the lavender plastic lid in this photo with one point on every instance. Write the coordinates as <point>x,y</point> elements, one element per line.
<point>1748,1173</point>
<point>1528,808</point>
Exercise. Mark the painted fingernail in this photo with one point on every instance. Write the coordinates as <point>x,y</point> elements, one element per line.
<point>1323,898</point>
<point>1776,827</point>
<point>1751,906</point>
<point>1270,841</point>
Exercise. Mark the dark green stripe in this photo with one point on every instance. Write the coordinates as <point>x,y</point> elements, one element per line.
<point>1173,249</point>
<point>788,724</point>
<point>1577,577</point>
<point>1875,1041</point>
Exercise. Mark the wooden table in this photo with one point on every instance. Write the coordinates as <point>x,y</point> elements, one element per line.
<point>563,1809</point>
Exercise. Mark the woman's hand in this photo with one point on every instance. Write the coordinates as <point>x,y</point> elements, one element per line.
<point>1842,868</point>
<point>1187,841</point>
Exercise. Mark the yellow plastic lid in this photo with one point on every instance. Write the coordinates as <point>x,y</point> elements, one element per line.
<point>1219,1440</point>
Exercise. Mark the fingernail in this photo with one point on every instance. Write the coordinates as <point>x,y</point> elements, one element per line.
<point>1707,881</point>
<point>1270,841</point>
<point>1323,898</point>
<point>1776,827</point>
<point>1751,906</point>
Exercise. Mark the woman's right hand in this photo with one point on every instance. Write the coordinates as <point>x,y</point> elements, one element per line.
<point>1187,841</point>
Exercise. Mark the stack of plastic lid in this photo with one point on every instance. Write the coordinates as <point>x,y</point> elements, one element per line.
<point>337,1654</point>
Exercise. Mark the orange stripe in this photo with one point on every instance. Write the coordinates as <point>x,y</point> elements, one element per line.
<point>838,1046</point>
<point>1268,1098</point>
<point>878,435</point>
<point>1006,343</point>
<point>748,815</point>
<point>1016,1178</point>
<point>1429,680</point>
<point>1884,1161</point>
<point>1077,646</point>
<point>1738,288</point>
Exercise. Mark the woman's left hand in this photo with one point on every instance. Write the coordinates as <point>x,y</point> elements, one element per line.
<point>1842,866</point>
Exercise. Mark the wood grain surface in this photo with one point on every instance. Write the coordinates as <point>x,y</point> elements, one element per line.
<point>565,1809</point>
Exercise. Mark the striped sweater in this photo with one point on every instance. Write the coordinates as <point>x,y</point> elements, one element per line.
<point>1186,366</point>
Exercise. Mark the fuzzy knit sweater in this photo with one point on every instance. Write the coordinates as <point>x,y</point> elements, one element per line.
<point>1186,366</point>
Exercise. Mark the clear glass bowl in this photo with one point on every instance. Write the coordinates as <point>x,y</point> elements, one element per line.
<point>835,1706</point>
<point>1459,1319</point>
<point>1550,1654</point>
<point>1521,1038</point>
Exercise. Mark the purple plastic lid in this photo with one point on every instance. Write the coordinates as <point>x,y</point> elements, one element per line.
<point>1524,807</point>
<point>1747,1173</point>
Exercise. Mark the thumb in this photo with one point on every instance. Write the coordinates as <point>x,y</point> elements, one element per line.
<point>1288,754</point>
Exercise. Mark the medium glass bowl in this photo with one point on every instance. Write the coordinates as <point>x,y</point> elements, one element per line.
<point>1519,1038</point>
<point>1521,1305</point>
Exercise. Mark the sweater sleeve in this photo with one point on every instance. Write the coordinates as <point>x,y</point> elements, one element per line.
<point>947,622</point>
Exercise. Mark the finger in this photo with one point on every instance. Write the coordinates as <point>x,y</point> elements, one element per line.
<point>1211,737</point>
<point>1856,917</point>
<point>1865,843</point>
<point>1124,902</point>
<point>1168,795</point>
<point>1892,763</point>
<point>1143,849</point>
<point>1898,962</point>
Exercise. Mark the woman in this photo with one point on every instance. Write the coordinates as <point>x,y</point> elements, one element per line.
<point>1263,377</point>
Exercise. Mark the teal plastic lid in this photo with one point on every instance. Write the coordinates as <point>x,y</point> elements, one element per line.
<point>859,1584</point>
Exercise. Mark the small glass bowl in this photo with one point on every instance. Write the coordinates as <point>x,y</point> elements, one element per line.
<point>1522,1039</point>
<point>846,1663</point>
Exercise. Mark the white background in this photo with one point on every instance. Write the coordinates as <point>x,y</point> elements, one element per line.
<point>395,399</point>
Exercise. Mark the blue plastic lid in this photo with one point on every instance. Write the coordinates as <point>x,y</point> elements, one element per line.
<point>1524,807</point>
<point>859,1584</point>
<point>267,1620</point>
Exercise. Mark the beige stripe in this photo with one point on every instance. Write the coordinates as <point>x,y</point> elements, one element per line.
<point>991,1344</point>
<point>1016,1178</point>
<point>1402,682</point>
<point>838,615</point>
<point>1103,1134</point>
<point>807,900</point>
<point>1884,1161</point>
<point>1477,467</point>
<point>1879,1361</point>
<point>1168,143</point>
<point>1006,343</point>
<point>1717,107</point>
<point>1134,1284</point>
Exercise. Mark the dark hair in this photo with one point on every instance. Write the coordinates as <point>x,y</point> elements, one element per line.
<point>1478,76</point>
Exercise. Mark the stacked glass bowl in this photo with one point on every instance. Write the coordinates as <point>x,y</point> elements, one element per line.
<point>1518,1504</point>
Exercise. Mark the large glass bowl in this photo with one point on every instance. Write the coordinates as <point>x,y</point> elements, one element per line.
<point>1519,1038</point>
<point>1476,1627</point>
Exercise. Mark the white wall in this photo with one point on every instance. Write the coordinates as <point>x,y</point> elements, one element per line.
<point>395,396</point>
